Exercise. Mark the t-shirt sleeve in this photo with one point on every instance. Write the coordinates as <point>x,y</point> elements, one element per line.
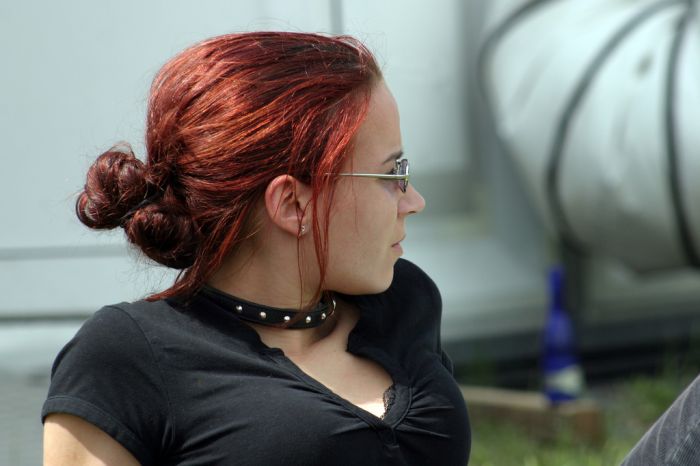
<point>108,375</point>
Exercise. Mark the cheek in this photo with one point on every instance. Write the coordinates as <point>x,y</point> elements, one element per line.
<point>383,213</point>
<point>363,219</point>
<point>361,260</point>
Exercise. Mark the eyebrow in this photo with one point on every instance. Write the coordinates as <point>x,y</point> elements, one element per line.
<point>393,157</point>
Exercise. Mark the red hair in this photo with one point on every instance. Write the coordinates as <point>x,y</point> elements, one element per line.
<point>225,117</point>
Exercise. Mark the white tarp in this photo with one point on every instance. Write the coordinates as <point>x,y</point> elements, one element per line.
<point>598,101</point>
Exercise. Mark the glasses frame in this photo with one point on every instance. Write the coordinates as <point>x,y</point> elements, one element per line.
<point>401,165</point>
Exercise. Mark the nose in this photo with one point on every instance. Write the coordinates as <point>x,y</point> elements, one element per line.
<point>411,202</point>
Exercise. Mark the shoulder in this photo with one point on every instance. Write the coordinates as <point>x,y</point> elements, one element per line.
<point>109,376</point>
<point>111,325</point>
<point>126,315</point>
<point>137,312</point>
<point>414,293</point>
<point>409,278</point>
<point>109,348</point>
<point>410,309</point>
<point>114,326</point>
<point>124,338</point>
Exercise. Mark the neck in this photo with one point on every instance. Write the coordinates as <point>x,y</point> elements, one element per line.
<point>271,278</point>
<point>264,282</point>
<point>299,344</point>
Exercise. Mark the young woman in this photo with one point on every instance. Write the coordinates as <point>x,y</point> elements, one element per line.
<point>294,334</point>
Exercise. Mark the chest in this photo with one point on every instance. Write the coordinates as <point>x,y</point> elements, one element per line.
<point>268,410</point>
<point>361,381</point>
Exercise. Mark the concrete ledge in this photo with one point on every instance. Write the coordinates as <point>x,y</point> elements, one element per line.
<point>531,411</point>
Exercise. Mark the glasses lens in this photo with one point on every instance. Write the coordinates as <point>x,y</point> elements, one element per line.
<point>402,169</point>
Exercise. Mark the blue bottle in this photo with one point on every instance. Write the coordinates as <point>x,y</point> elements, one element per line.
<point>563,376</point>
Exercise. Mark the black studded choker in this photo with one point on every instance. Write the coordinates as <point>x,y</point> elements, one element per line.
<point>271,316</point>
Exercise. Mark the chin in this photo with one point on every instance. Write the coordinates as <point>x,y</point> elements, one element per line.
<point>367,284</point>
<point>380,284</point>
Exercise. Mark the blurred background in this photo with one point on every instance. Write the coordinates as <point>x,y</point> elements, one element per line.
<point>540,133</point>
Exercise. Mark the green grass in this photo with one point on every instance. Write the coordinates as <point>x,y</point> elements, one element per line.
<point>629,407</point>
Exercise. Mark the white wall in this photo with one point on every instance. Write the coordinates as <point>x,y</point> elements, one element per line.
<point>75,81</point>
<point>421,49</point>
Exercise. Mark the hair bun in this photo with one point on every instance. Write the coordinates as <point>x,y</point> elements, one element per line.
<point>116,194</point>
<point>165,232</point>
<point>115,184</point>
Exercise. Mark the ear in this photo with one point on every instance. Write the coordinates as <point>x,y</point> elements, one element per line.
<point>286,202</point>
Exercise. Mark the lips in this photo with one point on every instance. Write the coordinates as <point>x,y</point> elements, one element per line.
<point>399,241</point>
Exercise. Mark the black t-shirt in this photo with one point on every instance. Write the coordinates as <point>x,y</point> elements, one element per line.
<point>192,384</point>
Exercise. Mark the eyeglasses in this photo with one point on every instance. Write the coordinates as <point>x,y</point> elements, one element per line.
<point>400,174</point>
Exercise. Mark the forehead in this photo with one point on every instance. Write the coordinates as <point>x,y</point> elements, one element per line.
<point>379,136</point>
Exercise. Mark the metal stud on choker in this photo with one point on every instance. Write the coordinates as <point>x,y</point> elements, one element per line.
<point>275,317</point>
